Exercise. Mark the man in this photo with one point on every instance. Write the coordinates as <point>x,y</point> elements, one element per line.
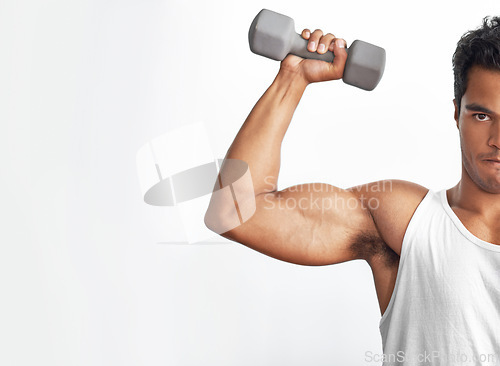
<point>435,256</point>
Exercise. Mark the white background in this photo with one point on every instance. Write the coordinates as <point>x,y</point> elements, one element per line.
<point>85,84</point>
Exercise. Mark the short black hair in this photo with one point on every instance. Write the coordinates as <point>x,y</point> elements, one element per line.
<point>480,47</point>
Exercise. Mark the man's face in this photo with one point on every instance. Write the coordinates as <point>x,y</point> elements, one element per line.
<point>479,128</point>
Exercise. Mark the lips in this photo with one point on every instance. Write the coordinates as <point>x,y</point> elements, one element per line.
<point>493,163</point>
<point>495,158</point>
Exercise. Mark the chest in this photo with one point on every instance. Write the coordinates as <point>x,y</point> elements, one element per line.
<point>486,230</point>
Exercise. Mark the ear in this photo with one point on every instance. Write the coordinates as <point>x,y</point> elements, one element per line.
<point>457,112</point>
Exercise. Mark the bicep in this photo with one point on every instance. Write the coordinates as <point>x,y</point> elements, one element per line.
<point>309,224</point>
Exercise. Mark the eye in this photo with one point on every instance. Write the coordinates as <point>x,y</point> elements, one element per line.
<point>481,117</point>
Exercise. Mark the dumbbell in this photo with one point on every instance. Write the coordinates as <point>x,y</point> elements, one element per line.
<point>273,35</point>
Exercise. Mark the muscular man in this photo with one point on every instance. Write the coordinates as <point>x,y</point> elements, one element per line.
<point>435,256</point>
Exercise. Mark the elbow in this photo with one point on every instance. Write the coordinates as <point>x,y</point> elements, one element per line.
<point>233,200</point>
<point>215,220</point>
<point>224,215</point>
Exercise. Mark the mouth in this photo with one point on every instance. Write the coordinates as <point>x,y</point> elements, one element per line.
<point>493,162</point>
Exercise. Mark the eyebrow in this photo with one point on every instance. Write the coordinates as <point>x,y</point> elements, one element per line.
<point>474,107</point>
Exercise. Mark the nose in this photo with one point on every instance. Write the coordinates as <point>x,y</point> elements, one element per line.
<point>494,139</point>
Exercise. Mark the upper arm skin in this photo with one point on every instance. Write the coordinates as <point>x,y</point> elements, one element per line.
<point>319,224</point>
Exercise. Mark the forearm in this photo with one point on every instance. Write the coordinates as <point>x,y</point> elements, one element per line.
<point>259,140</point>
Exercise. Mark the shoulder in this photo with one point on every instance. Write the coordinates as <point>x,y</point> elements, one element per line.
<point>391,204</point>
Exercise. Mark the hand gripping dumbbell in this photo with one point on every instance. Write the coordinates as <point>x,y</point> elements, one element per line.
<point>273,35</point>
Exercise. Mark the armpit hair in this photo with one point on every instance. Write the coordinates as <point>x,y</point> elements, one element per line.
<point>371,247</point>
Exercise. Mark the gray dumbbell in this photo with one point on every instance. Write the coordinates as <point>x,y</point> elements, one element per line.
<point>273,35</point>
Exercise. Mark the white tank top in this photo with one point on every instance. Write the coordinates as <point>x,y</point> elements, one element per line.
<point>445,307</point>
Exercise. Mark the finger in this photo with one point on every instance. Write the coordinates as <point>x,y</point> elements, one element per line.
<point>306,33</point>
<point>340,52</point>
<point>312,45</point>
<point>332,45</point>
<point>325,43</point>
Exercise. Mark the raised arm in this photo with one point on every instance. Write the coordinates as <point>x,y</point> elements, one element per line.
<point>310,224</point>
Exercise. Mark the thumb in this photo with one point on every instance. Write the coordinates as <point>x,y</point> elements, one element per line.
<point>340,52</point>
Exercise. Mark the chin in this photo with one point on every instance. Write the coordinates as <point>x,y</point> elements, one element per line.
<point>485,180</point>
<point>491,185</point>
<point>491,182</point>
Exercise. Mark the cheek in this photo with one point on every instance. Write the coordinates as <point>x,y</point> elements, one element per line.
<point>471,138</point>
